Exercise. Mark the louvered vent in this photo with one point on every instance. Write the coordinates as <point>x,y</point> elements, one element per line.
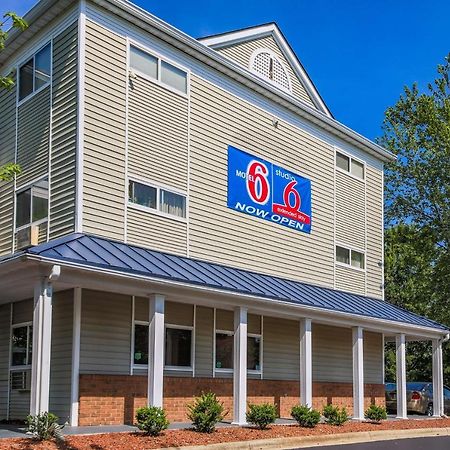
<point>269,67</point>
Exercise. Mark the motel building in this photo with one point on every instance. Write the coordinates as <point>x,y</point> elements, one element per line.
<point>189,217</point>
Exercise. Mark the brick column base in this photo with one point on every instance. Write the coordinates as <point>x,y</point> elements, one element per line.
<point>114,399</point>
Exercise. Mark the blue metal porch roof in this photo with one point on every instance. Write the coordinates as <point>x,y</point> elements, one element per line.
<point>97,252</point>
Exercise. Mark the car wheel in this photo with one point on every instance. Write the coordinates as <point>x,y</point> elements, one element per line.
<point>429,412</point>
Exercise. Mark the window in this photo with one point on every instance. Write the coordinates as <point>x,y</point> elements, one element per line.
<point>178,346</point>
<point>147,64</point>
<point>157,199</point>
<point>32,205</point>
<point>350,165</point>
<point>35,73</point>
<point>265,63</point>
<point>254,353</point>
<point>350,257</point>
<point>143,62</point>
<point>21,345</point>
<point>224,350</point>
<point>140,344</point>
<point>178,349</point>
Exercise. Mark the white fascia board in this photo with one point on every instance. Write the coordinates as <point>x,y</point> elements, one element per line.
<point>335,317</point>
<point>236,37</point>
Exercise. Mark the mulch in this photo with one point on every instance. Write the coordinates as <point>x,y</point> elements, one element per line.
<point>179,438</point>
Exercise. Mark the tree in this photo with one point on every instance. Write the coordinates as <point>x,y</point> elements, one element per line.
<point>417,202</point>
<point>8,171</point>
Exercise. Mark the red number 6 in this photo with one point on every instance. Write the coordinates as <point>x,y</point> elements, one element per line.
<point>288,191</point>
<point>257,183</point>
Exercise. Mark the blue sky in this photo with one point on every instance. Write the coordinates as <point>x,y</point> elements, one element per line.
<point>359,53</point>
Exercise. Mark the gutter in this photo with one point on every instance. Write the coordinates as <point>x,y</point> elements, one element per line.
<point>270,301</point>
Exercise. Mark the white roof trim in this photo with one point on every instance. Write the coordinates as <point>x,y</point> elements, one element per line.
<point>236,37</point>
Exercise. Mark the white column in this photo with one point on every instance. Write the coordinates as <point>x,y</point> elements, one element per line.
<point>400,344</point>
<point>306,362</point>
<point>156,350</point>
<point>358,373</point>
<point>42,333</point>
<point>438,381</point>
<point>240,366</point>
<point>75,357</point>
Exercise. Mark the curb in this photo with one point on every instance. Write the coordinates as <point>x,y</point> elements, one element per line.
<point>326,440</point>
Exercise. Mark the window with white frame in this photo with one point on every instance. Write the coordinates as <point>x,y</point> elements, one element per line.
<point>157,69</point>
<point>32,205</point>
<point>265,63</point>
<point>157,199</point>
<point>35,73</point>
<point>21,344</point>
<point>178,347</point>
<point>350,257</point>
<point>350,165</point>
<point>225,349</point>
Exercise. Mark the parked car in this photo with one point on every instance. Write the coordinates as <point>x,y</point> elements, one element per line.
<point>419,398</point>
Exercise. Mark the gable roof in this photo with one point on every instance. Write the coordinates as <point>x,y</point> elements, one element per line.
<point>87,251</point>
<point>242,35</point>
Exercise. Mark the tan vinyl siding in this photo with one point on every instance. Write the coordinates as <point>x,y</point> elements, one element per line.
<point>141,309</point>
<point>331,353</point>
<point>242,53</point>
<point>19,402</point>
<point>374,232</point>
<point>179,314</point>
<point>254,324</point>
<point>281,349</point>
<point>219,119</point>
<point>64,132</point>
<point>61,355</point>
<point>157,134</point>
<point>104,133</point>
<point>33,136</point>
<point>105,333</point>
<point>373,358</point>
<point>350,280</point>
<point>204,344</point>
<point>7,150</point>
<point>224,320</point>
<point>22,311</point>
<point>156,232</point>
<point>5,317</point>
<point>350,211</point>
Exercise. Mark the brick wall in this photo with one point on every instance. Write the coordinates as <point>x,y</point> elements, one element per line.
<point>113,399</point>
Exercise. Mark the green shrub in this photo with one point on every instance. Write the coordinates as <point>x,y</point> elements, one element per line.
<point>152,420</point>
<point>262,415</point>
<point>334,415</point>
<point>305,416</point>
<point>206,412</point>
<point>45,426</point>
<point>375,413</point>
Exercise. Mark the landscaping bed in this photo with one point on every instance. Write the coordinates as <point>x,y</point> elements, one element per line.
<point>179,438</point>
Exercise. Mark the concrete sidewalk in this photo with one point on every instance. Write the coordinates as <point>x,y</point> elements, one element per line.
<point>323,441</point>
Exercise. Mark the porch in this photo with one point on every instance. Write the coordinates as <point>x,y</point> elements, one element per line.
<point>86,317</point>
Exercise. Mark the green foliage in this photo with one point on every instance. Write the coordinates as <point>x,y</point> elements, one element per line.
<point>206,412</point>
<point>335,415</point>
<point>45,426</point>
<point>417,240</point>
<point>261,415</point>
<point>8,171</point>
<point>305,416</point>
<point>152,420</point>
<point>375,413</point>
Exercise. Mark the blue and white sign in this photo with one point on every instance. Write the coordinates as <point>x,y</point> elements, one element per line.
<point>264,190</point>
